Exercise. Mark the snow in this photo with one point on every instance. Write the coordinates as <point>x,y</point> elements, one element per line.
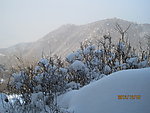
<point>5,102</point>
<point>77,65</point>
<point>73,85</point>
<point>2,55</point>
<point>63,70</point>
<point>65,100</point>
<point>44,61</point>
<point>73,56</point>
<point>2,81</point>
<point>95,61</point>
<point>102,96</point>
<point>99,52</point>
<point>89,49</point>
<point>107,69</point>
<point>143,64</point>
<point>36,100</point>
<point>37,68</point>
<point>38,78</point>
<point>117,64</point>
<point>2,102</point>
<point>121,46</point>
<point>132,61</point>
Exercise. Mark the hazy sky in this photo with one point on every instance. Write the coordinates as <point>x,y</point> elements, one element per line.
<point>29,20</point>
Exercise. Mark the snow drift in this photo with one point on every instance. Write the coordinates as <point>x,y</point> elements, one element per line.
<point>102,96</point>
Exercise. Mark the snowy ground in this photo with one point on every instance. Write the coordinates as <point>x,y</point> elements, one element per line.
<point>102,96</point>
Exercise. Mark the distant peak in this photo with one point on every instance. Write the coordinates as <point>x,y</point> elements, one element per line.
<point>68,25</point>
<point>115,19</point>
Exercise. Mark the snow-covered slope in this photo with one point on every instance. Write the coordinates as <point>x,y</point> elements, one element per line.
<point>102,96</point>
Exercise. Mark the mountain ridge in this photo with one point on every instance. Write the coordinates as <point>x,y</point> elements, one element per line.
<point>67,38</point>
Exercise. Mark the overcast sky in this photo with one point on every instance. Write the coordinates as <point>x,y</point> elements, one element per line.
<point>29,20</point>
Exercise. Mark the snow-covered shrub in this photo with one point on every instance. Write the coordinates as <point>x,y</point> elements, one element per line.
<point>39,86</point>
<point>74,56</point>
<point>77,72</point>
<point>105,58</point>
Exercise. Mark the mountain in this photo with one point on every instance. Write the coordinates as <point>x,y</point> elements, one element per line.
<point>67,38</point>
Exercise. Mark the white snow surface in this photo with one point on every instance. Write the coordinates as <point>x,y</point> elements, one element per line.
<point>75,55</point>
<point>77,65</point>
<point>2,102</point>
<point>102,96</point>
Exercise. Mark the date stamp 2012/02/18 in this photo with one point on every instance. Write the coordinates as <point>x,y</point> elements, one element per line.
<point>129,97</point>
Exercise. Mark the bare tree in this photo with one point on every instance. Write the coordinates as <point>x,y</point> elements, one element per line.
<point>121,31</point>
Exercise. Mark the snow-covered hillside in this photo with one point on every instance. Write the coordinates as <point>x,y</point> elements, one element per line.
<point>102,96</point>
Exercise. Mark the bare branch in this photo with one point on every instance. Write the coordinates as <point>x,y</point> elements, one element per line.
<point>127,28</point>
